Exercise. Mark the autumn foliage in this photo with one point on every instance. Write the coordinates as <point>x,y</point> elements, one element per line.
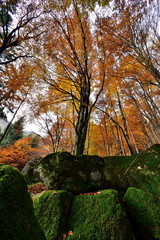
<point>95,67</point>
<point>19,153</point>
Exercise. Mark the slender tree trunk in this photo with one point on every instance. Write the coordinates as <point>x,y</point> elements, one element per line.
<point>117,129</point>
<point>114,139</point>
<point>148,140</point>
<point>118,142</point>
<point>9,124</point>
<point>125,125</point>
<point>145,145</point>
<point>136,147</point>
<point>88,139</point>
<point>107,148</point>
<point>104,134</point>
<point>122,144</point>
<point>155,133</point>
<point>150,133</point>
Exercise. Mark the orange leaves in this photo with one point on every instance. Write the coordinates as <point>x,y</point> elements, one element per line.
<point>69,233</point>
<point>36,188</point>
<point>54,192</point>
<point>91,193</point>
<point>19,153</point>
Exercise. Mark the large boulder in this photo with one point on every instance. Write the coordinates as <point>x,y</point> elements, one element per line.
<point>98,217</point>
<point>140,171</point>
<point>51,210</point>
<point>17,219</point>
<point>79,174</point>
<point>90,217</point>
<point>144,212</point>
<point>28,171</point>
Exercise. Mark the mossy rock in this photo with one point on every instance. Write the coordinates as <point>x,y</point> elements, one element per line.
<point>141,171</point>
<point>28,172</point>
<point>62,171</point>
<point>51,210</point>
<point>144,211</point>
<point>98,217</point>
<point>17,219</point>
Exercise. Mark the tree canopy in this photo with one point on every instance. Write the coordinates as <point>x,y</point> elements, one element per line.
<point>95,65</point>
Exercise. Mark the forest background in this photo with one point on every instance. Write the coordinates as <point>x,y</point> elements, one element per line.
<point>86,72</point>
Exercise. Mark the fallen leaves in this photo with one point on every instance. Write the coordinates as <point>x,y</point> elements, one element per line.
<point>54,192</point>
<point>36,188</point>
<point>91,193</point>
<point>69,233</point>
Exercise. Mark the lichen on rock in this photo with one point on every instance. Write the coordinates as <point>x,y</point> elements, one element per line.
<point>17,219</point>
<point>144,211</point>
<point>77,174</point>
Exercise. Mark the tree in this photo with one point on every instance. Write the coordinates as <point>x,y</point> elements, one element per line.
<point>133,31</point>
<point>20,152</point>
<point>57,133</point>
<point>14,32</point>
<point>14,133</point>
<point>78,62</point>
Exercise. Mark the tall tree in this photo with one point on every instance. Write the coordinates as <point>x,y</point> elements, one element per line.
<point>77,52</point>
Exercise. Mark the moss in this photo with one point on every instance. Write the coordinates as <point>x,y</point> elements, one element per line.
<point>143,174</point>
<point>76,174</point>
<point>16,207</point>
<point>98,217</point>
<point>144,210</point>
<point>51,211</point>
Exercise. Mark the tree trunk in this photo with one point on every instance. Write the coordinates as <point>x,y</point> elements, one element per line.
<point>80,138</point>
<point>9,124</point>
<point>107,148</point>
<point>136,147</point>
<point>117,129</point>
<point>82,122</point>
<point>118,141</point>
<point>155,133</point>
<point>114,140</point>
<point>148,140</point>
<point>122,144</point>
<point>88,139</point>
<point>150,132</point>
<point>125,125</point>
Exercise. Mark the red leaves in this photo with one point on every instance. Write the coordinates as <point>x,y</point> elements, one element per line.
<point>36,188</point>
<point>69,233</point>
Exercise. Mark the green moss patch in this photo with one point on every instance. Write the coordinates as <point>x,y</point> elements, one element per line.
<point>75,174</point>
<point>51,210</point>
<point>17,220</point>
<point>98,217</point>
<point>144,210</point>
<point>141,171</point>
